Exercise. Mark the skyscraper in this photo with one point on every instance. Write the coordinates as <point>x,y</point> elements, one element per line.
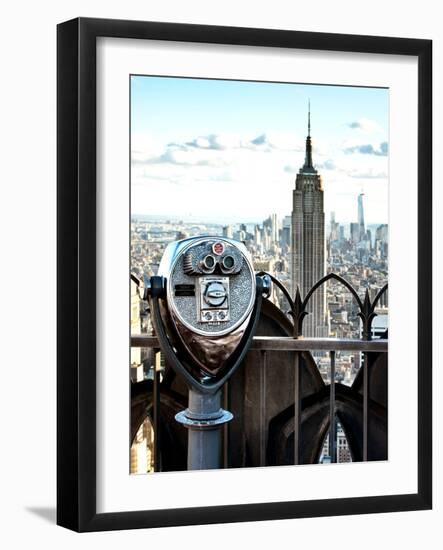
<point>361,217</point>
<point>274,228</point>
<point>334,228</point>
<point>227,231</point>
<point>354,232</point>
<point>285,240</point>
<point>308,241</point>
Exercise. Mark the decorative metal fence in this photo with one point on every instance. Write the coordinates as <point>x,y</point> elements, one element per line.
<point>363,410</point>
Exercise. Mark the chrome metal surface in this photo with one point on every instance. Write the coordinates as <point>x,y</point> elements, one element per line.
<point>193,253</point>
<point>204,419</point>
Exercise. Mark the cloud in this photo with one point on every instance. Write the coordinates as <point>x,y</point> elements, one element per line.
<point>328,164</point>
<point>216,142</point>
<point>370,173</point>
<point>276,141</point>
<point>262,142</point>
<point>184,157</point>
<point>368,149</point>
<point>291,169</point>
<point>366,125</point>
<point>259,140</point>
<point>215,149</point>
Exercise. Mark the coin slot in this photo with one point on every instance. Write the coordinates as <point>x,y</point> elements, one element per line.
<point>184,290</point>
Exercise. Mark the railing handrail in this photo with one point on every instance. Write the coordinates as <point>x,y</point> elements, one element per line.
<point>287,343</point>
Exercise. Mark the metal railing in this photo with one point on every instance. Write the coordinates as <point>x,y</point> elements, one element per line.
<point>296,344</point>
<point>265,344</point>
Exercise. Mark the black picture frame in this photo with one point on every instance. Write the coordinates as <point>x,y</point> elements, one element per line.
<point>76,281</point>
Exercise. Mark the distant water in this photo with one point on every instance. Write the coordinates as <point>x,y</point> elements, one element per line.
<point>193,221</point>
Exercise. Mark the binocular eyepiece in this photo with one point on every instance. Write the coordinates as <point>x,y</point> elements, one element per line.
<point>210,262</point>
<point>219,257</point>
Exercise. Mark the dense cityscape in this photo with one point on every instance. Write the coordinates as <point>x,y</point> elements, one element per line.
<point>360,256</point>
<point>298,249</point>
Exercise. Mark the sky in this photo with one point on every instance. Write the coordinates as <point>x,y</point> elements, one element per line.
<point>229,151</point>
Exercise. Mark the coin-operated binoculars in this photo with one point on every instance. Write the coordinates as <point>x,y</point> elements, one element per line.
<point>205,305</point>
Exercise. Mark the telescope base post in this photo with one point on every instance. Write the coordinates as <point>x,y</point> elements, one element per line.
<point>204,418</point>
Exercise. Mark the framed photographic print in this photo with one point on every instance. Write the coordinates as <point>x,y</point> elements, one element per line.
<point>244,274</point>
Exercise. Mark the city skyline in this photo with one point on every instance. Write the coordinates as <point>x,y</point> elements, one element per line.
<point>193,137</point>
<point>240,160</point>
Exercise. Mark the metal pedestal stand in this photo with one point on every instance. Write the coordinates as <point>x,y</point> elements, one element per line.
<point>204,418</point>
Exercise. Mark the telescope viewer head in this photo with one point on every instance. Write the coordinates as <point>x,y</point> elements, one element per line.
<point>205,306</point>
<point>210,285</point>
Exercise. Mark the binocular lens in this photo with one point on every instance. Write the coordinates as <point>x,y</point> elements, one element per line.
<point>209,261</point>
<point>228,262</point>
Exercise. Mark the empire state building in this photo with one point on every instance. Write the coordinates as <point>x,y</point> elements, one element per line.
<point>308,241</point>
